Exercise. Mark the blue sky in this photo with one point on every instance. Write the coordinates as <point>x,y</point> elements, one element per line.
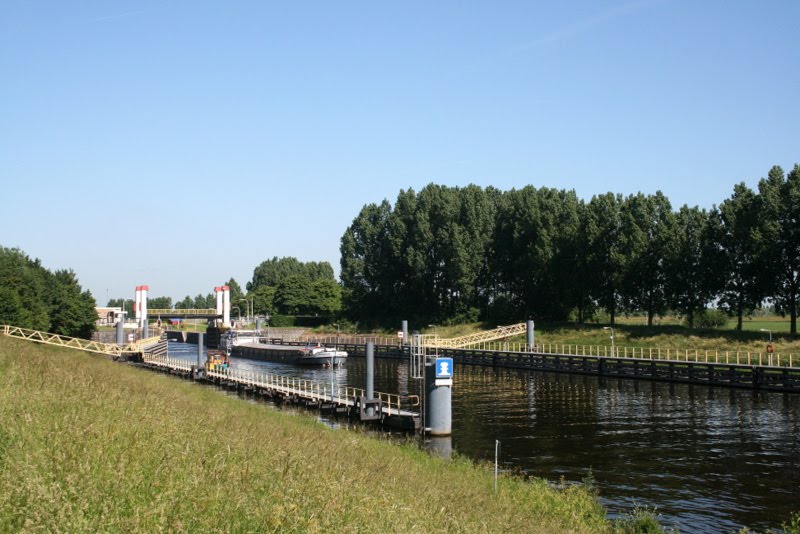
<point>177,144</point>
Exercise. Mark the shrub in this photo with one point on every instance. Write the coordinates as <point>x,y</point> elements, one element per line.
<point>712,318</point>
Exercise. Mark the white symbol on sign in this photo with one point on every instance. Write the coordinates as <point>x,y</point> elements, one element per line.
<point>443,369</point>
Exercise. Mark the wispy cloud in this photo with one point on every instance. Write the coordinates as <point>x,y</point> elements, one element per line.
<point>581,26</point>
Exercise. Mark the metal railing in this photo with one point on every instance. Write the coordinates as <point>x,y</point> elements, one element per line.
<point>47,338</point>
<point>168,312</point>
<point>286,385</point>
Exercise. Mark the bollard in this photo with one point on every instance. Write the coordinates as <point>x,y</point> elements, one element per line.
<point>438,406</point>
<point>199,349</point>
<point>405,332</point>
<point>145,330</point>
<point>120,333</point>
<point>369,390</point>
<point>530,335</point>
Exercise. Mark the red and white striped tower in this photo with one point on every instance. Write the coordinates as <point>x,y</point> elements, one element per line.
<point>226,306</point>
<point>137,305</point>
<point>143,304</point>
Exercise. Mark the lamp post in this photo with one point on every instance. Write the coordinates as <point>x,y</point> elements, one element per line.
<point>767,330</point>
<point>612,338</point>
<point>247,308</point>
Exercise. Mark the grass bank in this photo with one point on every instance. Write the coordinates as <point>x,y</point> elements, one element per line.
<point>88,445</point>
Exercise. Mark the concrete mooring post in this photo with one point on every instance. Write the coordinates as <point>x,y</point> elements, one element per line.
<point>404,328</point>
<point>530,337</point>
<point>199,350</point>
<point>438,405</point>
<point>370,389</point>
<point>121,332</point>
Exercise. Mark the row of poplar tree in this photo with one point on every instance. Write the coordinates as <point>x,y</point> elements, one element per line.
<point>450,254</point>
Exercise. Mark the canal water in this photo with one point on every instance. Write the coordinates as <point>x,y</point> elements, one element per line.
<point>705,459</point>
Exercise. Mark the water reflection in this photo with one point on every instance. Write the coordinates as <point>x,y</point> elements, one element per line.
<point>708,459</point>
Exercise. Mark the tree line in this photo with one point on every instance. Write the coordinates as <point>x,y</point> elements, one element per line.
<point>453,254</point>
<point>34,297</point>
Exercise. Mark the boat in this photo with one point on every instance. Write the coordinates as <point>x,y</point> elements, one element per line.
<point>252,345</point>
<point>319,355</point>
<point>217,360</point>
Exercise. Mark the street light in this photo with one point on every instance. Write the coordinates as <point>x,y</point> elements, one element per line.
<point>247,307</point>
<point>612,338</point>
<point>766,330</point>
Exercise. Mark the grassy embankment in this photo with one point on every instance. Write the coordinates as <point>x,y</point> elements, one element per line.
<point>88,445</point>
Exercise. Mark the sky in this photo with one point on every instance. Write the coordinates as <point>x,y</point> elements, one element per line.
<point>181,143</point>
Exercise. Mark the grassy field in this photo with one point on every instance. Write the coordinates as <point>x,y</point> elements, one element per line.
<point>90,445</point>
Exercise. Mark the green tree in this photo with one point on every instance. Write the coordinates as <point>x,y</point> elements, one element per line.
<point>12,311</point>
<point>235,290</point>
<point>648,228</point>
<point>27,280</point>
<point>534,241</point>
<point>72,310</point>
<point>780,221</point>
<point>186,304</point>
<point>736,233</point>
<point>606,259</point>
<point>273,272</point>
<point>293,295</point>
<point>365,269</point>
<point>693,274</point>
<point>326,298</point>
<point>160,303</point>
<point>263,298</point>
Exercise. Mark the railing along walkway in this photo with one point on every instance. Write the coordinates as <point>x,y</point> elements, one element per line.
<point>741,357</point>
<point>290,386</point>
<point>57,340</point>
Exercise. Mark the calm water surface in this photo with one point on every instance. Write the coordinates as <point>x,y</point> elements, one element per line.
<point>707,459</point>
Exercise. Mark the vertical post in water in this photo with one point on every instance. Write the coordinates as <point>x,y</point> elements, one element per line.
<point>530,335</point>
<point>199,349</point>
<point>405,333</point>
<point>438,405</point>
<point>121,331</point>
<point>370,389</point>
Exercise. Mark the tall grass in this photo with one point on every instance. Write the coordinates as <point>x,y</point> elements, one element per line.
<point>88,445</point>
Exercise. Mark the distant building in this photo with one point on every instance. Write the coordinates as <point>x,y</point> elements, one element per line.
<point>108,316</point>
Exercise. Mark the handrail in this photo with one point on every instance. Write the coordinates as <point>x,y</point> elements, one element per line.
<point>480,337</point>
<point>86,345</point>
<point>432,341</point>
<point>309,389</point>
<point>174,313</point>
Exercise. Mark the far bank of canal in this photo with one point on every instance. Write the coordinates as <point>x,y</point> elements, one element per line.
<point>708,459</point>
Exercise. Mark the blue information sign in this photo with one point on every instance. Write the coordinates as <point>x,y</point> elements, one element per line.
<point>444,367</point>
